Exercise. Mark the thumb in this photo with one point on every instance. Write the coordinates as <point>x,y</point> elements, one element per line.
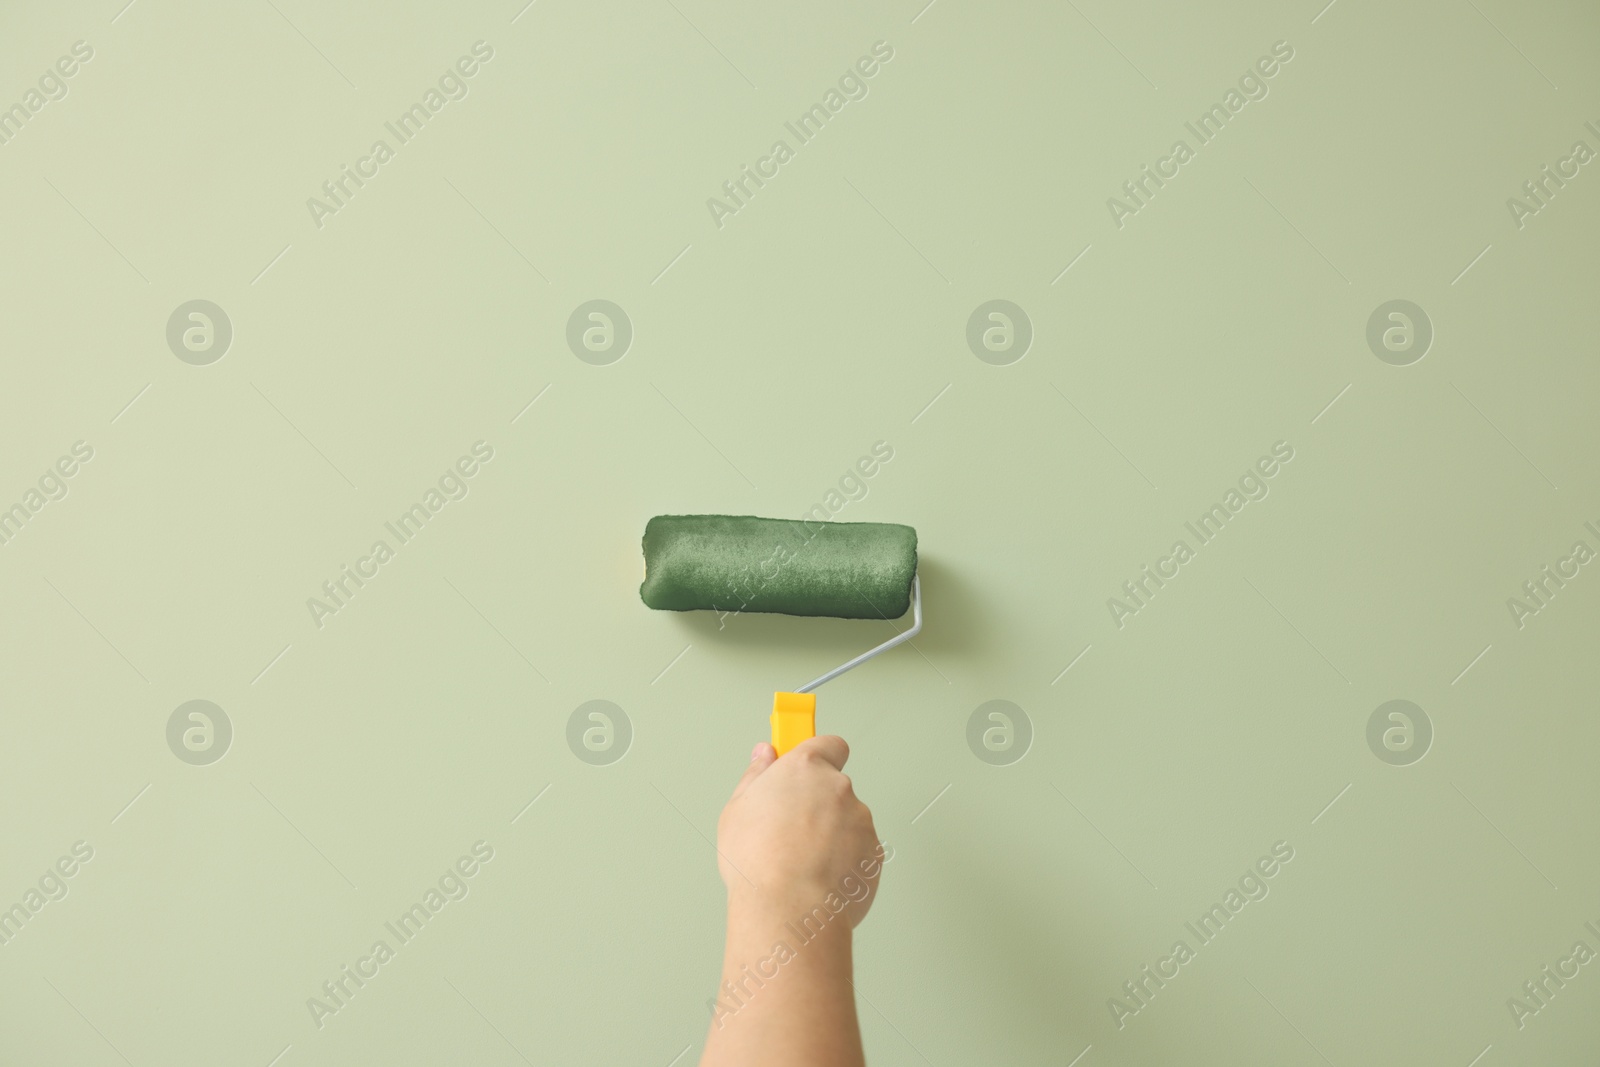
<point>761,757</point>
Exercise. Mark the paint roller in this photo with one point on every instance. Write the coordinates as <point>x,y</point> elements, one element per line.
<point>738,563</point>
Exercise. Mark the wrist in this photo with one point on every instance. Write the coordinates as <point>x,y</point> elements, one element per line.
<point>794,915</point>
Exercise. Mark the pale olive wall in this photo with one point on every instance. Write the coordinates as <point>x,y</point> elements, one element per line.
<point>1147,357</point>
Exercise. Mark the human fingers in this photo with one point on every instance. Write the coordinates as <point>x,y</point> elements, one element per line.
<point>829,748</point>
<point>761,757</point>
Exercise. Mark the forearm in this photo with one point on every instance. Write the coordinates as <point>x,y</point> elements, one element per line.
<point>786,998</point>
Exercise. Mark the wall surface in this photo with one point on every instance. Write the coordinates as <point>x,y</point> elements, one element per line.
<point>1234,362</point>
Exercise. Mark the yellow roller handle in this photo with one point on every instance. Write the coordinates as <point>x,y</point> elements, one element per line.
<point>794,718</point>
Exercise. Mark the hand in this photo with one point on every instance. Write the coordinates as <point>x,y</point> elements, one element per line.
<point>798,852</point>
<point>794,832</point>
